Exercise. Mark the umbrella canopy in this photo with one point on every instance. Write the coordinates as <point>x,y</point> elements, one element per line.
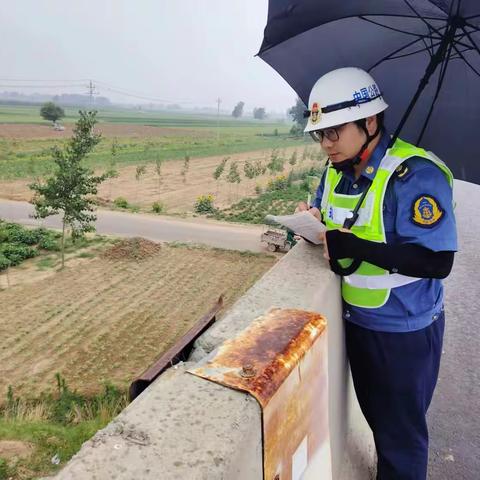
<point>424,55</point>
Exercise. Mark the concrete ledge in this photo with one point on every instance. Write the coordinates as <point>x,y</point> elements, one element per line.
<point>186,427</point>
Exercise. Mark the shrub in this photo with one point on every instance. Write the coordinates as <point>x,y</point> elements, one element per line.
<point>120,202</point>
<point>204,204</point>
<point>293,158</point>
<point>48,243</point>
<point>14,233</point>
<point>258,189</point>
<point>296,130</point>
<point>158,207</point>
<point>17,253</point>
<point>278,183</point>
<point>4,262</point>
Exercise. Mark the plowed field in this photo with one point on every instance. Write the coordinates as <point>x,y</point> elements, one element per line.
<point>109,318</point>
<point>106,129</point>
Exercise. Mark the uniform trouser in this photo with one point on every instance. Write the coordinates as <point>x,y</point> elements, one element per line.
<point>394,375</point>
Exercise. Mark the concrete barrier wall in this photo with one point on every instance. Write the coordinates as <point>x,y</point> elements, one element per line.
<point>183,426</point>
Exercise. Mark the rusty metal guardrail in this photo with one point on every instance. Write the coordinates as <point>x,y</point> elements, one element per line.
<point>281,360</point>
<point>177,353</point>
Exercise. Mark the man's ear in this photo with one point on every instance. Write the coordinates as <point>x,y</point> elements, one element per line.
<point>371,124</point>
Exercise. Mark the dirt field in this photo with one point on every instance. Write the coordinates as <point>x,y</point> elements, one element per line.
<point>29,131</point>
<point>109,318</point>
<point>177,195</point>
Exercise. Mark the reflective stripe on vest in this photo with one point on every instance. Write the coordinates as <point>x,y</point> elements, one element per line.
<point>370,286</point>
<point>391,280</point>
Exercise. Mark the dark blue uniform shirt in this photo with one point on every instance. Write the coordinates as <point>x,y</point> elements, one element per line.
<point>413,306</point>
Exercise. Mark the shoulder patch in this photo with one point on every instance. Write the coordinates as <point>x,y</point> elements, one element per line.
<point>426,211</point>
<point>402,171</point>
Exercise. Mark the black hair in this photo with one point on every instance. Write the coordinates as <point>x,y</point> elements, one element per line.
<point>380,122</point>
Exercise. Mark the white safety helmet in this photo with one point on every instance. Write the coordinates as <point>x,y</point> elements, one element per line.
<point>341,96</point>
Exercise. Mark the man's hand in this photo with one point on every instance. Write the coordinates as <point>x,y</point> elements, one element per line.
<point>323,239</point>
<point>303,207</point>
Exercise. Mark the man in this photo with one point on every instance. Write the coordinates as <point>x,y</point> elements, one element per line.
<point>391,235</point>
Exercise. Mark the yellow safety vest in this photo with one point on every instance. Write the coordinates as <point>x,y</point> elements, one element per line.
<point>370,286</point>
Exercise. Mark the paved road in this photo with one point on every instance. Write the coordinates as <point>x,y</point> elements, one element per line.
<point>454,416</point>
<point>455,411</point>
<point>156,228</point>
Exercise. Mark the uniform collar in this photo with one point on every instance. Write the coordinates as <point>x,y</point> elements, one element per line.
<point>376,157</point>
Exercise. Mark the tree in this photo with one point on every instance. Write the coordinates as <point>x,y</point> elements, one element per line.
<point>259,113</point>
<point>293,158</point>
<point>260,168</point>
<point>249,170</point>
<point>217,173</point>
<point>238,110</point>
<point>112,165</point>
<point>158,171</point>
<point>70,189</point>
<point>186,166</point>
<point>296,112</point>
<point>140,171</point>
<point>233,174</point>
<point>52,112</point>
<point>276,162</point>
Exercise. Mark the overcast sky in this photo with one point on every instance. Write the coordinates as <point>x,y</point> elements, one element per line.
<point>191,51</point>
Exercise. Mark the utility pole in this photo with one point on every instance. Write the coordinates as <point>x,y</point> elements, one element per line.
<point>91,92</point>
<point>219,101</point>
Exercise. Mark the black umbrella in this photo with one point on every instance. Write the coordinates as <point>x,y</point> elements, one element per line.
<point>424,55</point>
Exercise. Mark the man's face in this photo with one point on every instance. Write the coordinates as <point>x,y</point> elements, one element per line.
<point>350,140</point>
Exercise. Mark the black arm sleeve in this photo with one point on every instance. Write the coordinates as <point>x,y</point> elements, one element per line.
<point>407,259</point>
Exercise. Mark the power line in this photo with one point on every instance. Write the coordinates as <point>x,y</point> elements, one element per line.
<point>41,86</point>
<point>9,79</point>
<point>91,89</point>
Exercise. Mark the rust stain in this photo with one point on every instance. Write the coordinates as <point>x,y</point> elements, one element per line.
<point>260,358</point>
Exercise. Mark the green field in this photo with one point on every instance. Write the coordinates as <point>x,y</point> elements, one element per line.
<point>203,136</point>
<point>21,114</point>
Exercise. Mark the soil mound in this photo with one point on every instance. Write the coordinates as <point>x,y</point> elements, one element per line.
<point>136,248</point>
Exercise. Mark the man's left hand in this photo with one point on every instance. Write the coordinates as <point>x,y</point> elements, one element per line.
<point>323,239</point>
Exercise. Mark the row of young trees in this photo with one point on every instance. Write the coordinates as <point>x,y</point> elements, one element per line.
<point>252,169</point>
<point>296,113</point>
<point>259,113</point>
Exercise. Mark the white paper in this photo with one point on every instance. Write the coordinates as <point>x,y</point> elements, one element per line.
<point>300,460</point>
<point>301,223</point>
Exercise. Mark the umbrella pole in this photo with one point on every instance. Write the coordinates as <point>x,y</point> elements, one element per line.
<point>435,60</point>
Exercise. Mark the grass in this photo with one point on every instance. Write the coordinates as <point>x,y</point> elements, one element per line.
<point>27,114</point>
<point>54,426</point>
<point>46,263</point>
<point>48,439</point>
<point>86,255</point>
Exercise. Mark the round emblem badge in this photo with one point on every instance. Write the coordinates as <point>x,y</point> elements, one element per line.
<point>316,113</point>
<point>426,211</point>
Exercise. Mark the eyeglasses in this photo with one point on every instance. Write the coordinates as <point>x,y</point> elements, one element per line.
<point>331,133</point>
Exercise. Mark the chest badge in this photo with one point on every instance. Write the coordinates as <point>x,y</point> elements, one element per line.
<point>369,170</point>
<point>427,211</point>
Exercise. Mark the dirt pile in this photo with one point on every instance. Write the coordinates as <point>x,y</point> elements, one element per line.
<point>136,248</point>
